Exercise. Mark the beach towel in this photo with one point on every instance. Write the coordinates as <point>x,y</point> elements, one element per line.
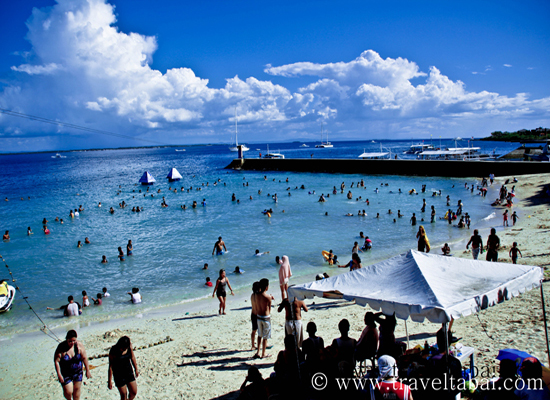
<point>284,271</point>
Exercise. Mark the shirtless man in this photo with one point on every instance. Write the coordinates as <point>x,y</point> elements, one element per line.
<point>293,319</point>
<point>219,247</point>
<point>477,244</point>
<point>263,309</point>
<point>493,244</point>
<point>254,314</point>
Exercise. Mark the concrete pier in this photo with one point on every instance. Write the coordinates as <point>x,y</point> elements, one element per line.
<point>444,168</point>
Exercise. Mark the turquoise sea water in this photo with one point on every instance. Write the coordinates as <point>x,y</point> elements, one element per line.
<point>171,245</point>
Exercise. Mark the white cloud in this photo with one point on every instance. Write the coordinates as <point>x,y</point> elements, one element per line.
<point>507,65</point>
<point>82,69</point>
<point>37,69</point>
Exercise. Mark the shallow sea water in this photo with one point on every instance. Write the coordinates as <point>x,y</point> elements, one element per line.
<point>171,245</point>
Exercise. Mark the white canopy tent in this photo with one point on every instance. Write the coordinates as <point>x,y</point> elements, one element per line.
<point>420,285</point>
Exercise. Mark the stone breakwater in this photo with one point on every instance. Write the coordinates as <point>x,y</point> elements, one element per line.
<point>443,168</point>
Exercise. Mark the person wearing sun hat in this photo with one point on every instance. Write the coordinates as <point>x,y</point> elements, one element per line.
<point>388,387</point>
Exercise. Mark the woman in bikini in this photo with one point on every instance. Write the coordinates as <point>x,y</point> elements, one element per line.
<point>69,357</point>
<point>219,290</point>
<point>122,366</point>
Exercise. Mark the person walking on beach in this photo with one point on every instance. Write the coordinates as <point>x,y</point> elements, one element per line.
<point>514,217</point>
<point>477,244</point>
<point>293,318</point>
<point>423,242</point>
<point>493,244</point>
<point>122,366</point>
<point>513,253</point>
<point>284,275</point>
<point>263,303</point>
<point>219,247</point>
<point>219,290</point>
<point>68,359</point>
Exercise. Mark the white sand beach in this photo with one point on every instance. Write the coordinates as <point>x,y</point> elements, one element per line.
<point>209,355</point>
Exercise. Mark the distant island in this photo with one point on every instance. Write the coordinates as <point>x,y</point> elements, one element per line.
<point>523,135</point>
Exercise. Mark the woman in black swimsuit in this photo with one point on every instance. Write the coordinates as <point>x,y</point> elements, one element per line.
<point>121,361</point>
<point>69,357</point>
<point>219,290</point>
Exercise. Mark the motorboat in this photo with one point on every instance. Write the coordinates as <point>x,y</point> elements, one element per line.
<point>7,294</point>
<point>304,145</point>
<point>324,145</point>
<point>419,148</point>
<point>273,155</point>
<point>180,149</point>
<point>59,156</point>
<point>236,147</point>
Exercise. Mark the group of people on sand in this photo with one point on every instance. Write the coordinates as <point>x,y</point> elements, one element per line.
<point>71,360</point>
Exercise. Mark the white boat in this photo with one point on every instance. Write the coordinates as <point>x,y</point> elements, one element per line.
<point>59,156</point>
<point>180,149</point>
<point>376,155</point>
<point>273,155</point>
<point>304,145</point>
<point>323,145</point>
<point>236,147</point>
<point>419,148</point>
<point>7,294</point>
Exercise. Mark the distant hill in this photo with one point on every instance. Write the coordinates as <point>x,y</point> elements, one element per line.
<point>521,135</point>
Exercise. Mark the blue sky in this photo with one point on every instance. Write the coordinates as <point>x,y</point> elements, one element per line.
<point>175,71</point>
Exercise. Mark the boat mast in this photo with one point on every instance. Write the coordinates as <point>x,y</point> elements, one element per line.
<point>236,141</point>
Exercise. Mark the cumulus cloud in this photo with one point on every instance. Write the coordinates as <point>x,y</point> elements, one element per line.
<point>507,65</point>
<point>82,69</point>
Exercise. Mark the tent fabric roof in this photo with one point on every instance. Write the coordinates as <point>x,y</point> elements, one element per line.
<point>174,174</point>
<point>147,178</point>
<point>420,285</point>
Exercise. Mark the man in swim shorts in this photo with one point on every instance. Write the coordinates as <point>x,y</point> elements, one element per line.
<point>263,304</point>
<point>493,244</point>
<point>219,247</point>
<point>477,244</point>
<point>293,318</point>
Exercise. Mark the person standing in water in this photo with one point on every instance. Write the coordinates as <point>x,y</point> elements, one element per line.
<point>68,359</point>
<point>423,242</point>
<point>219,247</point>
<point>219,290</point>
<point>129,248</point>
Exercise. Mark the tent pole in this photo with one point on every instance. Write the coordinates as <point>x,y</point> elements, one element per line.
<point>545,322</point>
<point>407,332</point>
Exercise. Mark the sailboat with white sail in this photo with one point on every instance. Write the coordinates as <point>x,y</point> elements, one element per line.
<point>323,145</point>
<point>236,147</point>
